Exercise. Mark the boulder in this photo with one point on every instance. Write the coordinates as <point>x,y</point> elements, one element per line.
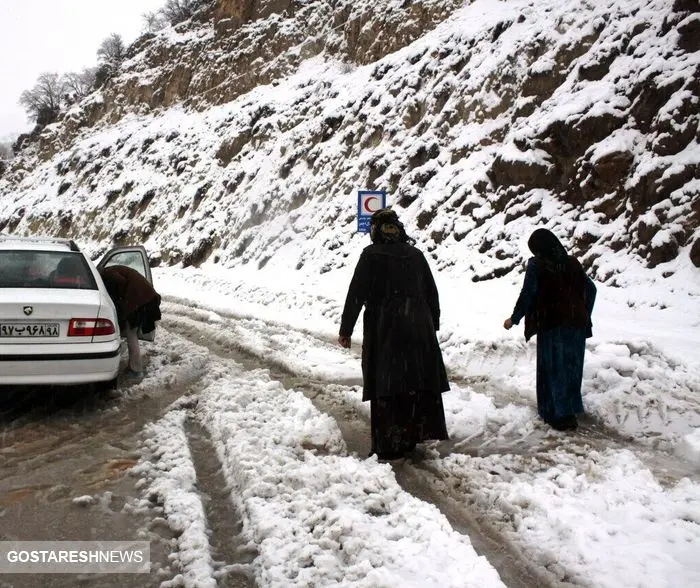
<point>689,34</point>
<point>662,252</point>
<point>647,228</point>
<point>676,130</point>
<point>236,12</point>
<point>573,137</point>
<point>514,172</point>
<point>657,184</point>
<point>686,6</point>
<point>598,67</point>
<point>675,139</point>
<point>612,168</point>
<point>649,98</point>
<point>695,253</point>
<point>542,84</point>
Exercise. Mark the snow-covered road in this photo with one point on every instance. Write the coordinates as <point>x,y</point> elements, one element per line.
<point>597,508</point>
<point>252,444</point>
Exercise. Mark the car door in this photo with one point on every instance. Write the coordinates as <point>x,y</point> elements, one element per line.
<point>135,257</point>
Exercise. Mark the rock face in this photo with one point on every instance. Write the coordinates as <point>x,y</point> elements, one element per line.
<point>255,121</point>
<point>242,11</point>
<point>246,43</point>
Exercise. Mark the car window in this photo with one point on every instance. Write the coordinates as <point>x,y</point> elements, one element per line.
<point>132,259</point>
<point>45,269</point>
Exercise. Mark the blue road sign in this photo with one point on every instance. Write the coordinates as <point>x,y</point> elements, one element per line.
<point>368,202</point>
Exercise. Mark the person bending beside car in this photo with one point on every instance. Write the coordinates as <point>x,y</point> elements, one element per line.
<point>138,307</point>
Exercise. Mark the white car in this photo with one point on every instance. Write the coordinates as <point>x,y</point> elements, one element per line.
<point>58,324</point>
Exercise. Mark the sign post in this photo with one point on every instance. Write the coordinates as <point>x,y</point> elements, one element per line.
<point>368,202</point>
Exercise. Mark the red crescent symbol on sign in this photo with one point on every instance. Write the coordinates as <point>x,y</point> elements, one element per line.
<point>368,208</point>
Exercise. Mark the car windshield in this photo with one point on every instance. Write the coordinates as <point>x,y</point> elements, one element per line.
<point>45,269</point>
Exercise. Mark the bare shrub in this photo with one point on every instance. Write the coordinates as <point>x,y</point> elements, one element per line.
<point>77,85</point>
<point>153,21</point>
<point>176,11</point>
<point>110,55</point>
<point>111,51</point>
<point>43,101</point>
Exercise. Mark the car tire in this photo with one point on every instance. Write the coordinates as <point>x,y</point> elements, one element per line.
<point>106,387</point>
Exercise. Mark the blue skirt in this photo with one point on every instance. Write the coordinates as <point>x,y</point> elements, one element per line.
<point>560,354</point>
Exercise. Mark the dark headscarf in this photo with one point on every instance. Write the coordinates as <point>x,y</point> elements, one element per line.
<point>385,227</point>
<point>548,250</point>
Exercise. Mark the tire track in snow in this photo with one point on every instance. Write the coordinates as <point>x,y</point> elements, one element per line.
<point>231,555</point>
<point>511,564</point>
<point>184,478</point>
<point>168,468</point>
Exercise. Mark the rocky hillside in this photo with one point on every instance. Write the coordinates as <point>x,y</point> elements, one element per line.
<point>242,135</point>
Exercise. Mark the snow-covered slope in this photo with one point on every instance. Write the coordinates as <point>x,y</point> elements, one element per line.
<point>502,117</point>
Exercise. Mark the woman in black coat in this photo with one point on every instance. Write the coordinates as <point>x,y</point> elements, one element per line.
<point>138,307</point>
<point>557,301</point>
<point>402,367</point>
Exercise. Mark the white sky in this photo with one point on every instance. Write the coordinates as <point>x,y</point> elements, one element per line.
<point>59,36</point>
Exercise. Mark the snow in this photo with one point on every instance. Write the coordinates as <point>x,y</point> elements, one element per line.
<point>641,373</point>
<point>321,517</point>
<point>596,512</point>
<point>271,202</point>
<point>689,447</point>
<point>315,514</point>
<point>85,500</point>
<point>615,504</point>
<point>662,238</point>
<point>599,519</point>
<point>621,141</point>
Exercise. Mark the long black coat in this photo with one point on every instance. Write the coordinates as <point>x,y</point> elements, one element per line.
<point>400,352</point>
<point>134,297</point>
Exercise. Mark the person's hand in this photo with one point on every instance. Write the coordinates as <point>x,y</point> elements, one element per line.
<point>344,341</point>
<point>507,324</point>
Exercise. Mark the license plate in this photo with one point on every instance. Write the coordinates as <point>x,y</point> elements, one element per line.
<point>29,330</point>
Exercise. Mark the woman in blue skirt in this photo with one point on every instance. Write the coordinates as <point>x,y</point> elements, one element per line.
<point>556,300</point>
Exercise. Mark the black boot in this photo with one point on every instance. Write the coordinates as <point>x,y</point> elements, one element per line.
<point>567,423</point>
